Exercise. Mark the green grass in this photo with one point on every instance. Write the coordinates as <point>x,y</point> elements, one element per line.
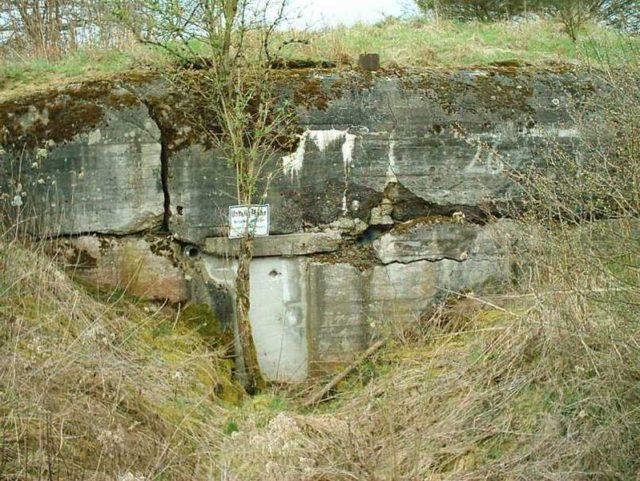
<point>541,383</point>
<point>112,381</point>
<point>22,75</point>
<point>406,43</point>
<point>452,44</point>
<point>506,388</point>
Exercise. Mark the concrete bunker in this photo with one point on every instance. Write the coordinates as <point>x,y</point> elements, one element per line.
<point>312,309</point>
<point>376,215</point>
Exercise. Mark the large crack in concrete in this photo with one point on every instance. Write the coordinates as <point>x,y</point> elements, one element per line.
<point>164,179</point>
<point>408,206</point>
<point>154,115</point>
<point>164,165</point>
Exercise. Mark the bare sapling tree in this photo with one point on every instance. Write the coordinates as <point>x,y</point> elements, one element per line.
<point>50,29</point>
<point>230,86</point>
<point>254,126</point>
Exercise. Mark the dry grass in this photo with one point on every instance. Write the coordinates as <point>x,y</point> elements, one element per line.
<point>450,44</point>
<point>539,385</point>
<point>94,389</point>
<point>542,383</point>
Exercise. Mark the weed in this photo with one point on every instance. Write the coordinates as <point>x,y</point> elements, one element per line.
<point>94,390</point>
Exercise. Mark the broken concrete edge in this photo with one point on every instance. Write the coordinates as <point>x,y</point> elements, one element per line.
<point>361,194</point>
<point>428,241</point>
<point>436,241</point>
<point>287,245</point>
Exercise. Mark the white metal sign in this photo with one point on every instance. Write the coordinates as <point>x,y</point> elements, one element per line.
<point>248,220</point>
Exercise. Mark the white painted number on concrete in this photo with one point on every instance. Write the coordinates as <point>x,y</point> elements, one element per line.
<point>253,220</point>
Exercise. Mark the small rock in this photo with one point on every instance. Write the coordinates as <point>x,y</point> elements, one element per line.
<point>349,225</point>
<point>379,217</point>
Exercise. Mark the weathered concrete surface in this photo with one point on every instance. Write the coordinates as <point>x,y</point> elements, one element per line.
<point>278,245</point>
<point>104,176</point>
<point>348,307</point>
<point>379,147</point>
<point>376,150</point>
<point>310,313</point>
<point>141,267</point>
<point>278,311</point>
<point>202,187</point>
<point>437,240</point>
<point>280,327</point>
<point>382,148</point>
<point>447,138</point>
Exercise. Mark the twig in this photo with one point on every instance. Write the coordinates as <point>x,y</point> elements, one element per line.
<point>477,299</point>
<point>318,397</point>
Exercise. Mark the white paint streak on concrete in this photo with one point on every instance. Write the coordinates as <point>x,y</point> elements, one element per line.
<point>324,138</point>
<point>348,149</point>
<point>553,131</point>
<point>95,136</point>
<point>391,175</point>
<point>292,163</point>
<point>392,152</point>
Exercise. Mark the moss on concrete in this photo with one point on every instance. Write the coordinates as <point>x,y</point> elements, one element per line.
<point>200,318</point>
<point>58,115</point>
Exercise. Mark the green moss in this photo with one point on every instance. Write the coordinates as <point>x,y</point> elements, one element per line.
<point>505,90</point>
<point>171,115</point>
<point>200,318</point>
<point>231,427</point>
<point>311,94</point>
<point>121,100</point>
<point>229,392</point>
<point>52,119</point>
<point>60,114</point>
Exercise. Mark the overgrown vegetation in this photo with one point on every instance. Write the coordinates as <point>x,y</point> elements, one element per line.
<point>236,111</point>
<point>97,387</point>
<point>572,14</point>
<point>531,387</point>
<point>539,383</point>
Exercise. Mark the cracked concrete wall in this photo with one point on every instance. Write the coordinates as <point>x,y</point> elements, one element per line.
<point>104,177</point>
<point>375,149</point>
<point>313,309</point>
<point>377,213</point>
<point>388,148</point>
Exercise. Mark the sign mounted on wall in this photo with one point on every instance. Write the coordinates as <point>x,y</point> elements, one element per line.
<point>249,220</point>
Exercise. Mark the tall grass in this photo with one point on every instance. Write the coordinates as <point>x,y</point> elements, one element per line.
<point>540,383</point>
<point>100,388</point>
<point>540,386</point>
<point>19,76</point>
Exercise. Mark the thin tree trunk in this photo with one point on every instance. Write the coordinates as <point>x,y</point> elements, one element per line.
<point>252,377</point>
<point>230,12</point>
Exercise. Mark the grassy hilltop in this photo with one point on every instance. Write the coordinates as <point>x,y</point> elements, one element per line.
<point>414,43</point>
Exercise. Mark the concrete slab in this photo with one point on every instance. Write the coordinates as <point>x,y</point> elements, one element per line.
<point>278,312</point>
<point>278,245</point>
<point>278,317</point>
